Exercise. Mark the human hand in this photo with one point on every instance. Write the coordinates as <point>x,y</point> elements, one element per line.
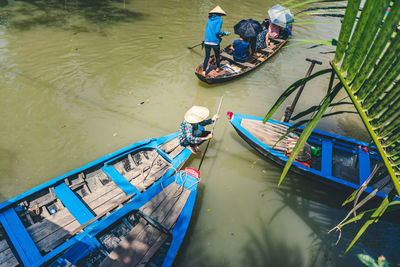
<point>208,137</point>
<point>215,117</point>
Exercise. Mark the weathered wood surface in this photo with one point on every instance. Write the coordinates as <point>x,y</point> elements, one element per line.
<point>7,257</point>
<point>102,214</point>
<point>135,245</point>
<point>172,148</point>
<point>144,239</point>
<point>176,151</point>
<point>3,245</point>
<point>53,229</point>
<point>268,133</point>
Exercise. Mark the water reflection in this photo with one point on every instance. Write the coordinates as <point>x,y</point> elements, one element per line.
<point>69,15</point>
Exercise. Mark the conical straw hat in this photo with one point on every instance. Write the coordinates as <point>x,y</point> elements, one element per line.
<point>217,10</point>
<point>196,114</point>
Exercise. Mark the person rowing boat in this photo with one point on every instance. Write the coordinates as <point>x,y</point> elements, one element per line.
<point>212,38</point>
<point>191,131</point>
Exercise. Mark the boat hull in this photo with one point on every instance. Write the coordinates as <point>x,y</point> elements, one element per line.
<point>330,142</point>
<point>39,224</point>
<point>130,247</point>
<point>231,69</point>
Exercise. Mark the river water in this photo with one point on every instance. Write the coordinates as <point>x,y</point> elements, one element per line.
<point>81,79</point>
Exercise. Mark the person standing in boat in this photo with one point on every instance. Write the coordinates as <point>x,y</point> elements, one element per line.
<point>212,37</point>
<point>191,131</point>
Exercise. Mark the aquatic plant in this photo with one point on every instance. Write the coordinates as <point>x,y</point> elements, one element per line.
<point>367,66</point>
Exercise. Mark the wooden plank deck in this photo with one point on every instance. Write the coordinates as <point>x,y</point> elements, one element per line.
<point>103,194</point>
<point>268,133</point>
<point>144,239</point>
<point>7,257</point>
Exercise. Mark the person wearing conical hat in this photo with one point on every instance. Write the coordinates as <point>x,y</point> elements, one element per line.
<point>191,133</point>
<point>212,37</point>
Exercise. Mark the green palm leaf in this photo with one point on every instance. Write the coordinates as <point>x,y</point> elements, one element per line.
<point>310,127</point>
<point>367,62</point>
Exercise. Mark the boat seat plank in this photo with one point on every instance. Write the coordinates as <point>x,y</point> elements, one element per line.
<point>4,245</point>
<point>6,256</point>
<point>120,180</point>
<point>93,198</point>
<point>73,203</point>
<point>267,133</point>
<point>172,216</point>
<point>144,181</point>
<point>111,202</point>
<point>42,230</point>
<point>155,202</point>
<point>266,50</point>
<point>153,249</point>
<point>137,248</point>
<point>279,40</point>
<point>115,192</point>
<point>57,237</point>
<point>364,166</point>
<point>134,247</point>
<point>10,262</point>
<point>162,210</point>
<point>326,159</point>
<point>19,237</point>
<point>176,151</point>
<point>242,64</point>
<point>60,218</point>
<point>170,146</point>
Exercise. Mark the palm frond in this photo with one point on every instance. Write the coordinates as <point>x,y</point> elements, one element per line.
<point>315,108</point>
<point>291,89</point>
<point>327,8</point>
<point>367,62</point>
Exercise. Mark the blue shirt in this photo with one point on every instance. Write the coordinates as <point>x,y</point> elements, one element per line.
<point>213,29</point>
<point>241,51</point>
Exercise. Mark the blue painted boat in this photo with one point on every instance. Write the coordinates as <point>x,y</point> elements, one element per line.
<point>147,231</point>
<point>343,162</point>
<point>41,223</point>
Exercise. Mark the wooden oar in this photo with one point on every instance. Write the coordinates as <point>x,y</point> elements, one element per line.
<point>212,131</point>
<point>289,109</point>
<point>191,47</point>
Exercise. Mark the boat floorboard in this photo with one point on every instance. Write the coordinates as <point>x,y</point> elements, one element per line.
<point>7,257</point>
<point>268,133</point>
<point>144,239</point>
<point>141,168</point>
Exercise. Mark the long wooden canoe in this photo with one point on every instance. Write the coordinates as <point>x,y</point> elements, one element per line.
<point>231,69</point>
<point>145,232</point>
<point>344,163</point>
<point>41,223</point>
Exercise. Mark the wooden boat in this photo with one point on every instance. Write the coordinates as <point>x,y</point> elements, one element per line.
<point>147,231</point>
<point>42,222</point>
<point>345,163</point>
<point>231,69</point>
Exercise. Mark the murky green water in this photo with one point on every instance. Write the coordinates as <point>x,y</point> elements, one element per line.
<point>80,79</point>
